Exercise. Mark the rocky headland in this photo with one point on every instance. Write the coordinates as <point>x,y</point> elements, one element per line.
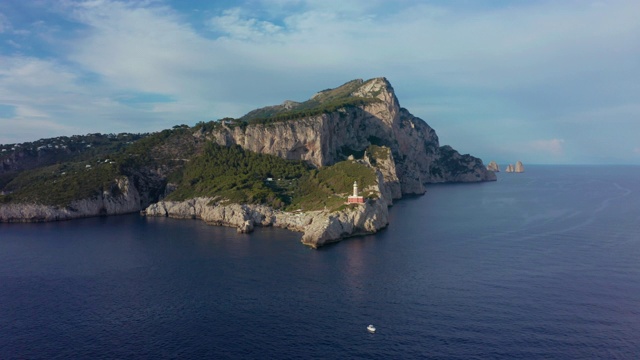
<point>361,120</point>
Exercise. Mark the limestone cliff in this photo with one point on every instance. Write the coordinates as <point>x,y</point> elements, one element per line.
<point>326,138</point>
<point>388,181</point>
<point>361,119</point>
<point>121,199</point>
<point>319,227</point>
<point>493,166</point>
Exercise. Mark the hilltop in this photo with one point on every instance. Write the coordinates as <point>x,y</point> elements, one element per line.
<point>288,165</point>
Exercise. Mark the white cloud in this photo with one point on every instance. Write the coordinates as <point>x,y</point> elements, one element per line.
<point>543,63</point>
<point>553,147</point>
<point>235,26</point>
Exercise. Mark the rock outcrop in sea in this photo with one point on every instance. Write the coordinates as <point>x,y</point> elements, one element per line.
<point>493,166</point>
<point>518,168</point>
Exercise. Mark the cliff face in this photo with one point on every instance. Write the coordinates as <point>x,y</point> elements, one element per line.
<point>121,199</point>
<point>319,227</point>
<point>361,119</point>
<point>330,137</point>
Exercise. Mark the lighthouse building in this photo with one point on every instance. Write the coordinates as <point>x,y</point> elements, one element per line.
<point>355,199</point>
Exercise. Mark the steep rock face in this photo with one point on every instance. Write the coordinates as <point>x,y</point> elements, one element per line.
<point>330,137</point>
<point>493,166</point>
<point>415,153</point>
<point>121,199</point>
<point>413,158</point>
<point>519,167</point>
<point>355,220</point>
<point>387,175</point>
<point>460,168</point>
<point>319,227</point>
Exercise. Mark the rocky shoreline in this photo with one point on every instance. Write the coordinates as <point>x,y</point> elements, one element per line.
<point>318,227</point>
<point>407,155</point>
<point>123,198</point>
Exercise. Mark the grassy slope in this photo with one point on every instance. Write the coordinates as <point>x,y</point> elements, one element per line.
<point>208,170</point>
<point>325,101</point>
<point>199,170</point>
<point>241,177</point>
<point>64,182</point>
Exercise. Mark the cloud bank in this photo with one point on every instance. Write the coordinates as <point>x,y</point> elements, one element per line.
<point>492,80</point>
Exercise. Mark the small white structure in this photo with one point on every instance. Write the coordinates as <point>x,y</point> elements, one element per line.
<point>355,199</point>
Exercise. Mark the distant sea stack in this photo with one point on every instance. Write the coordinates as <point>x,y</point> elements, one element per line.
<point>493,166</point>
<point>518,168</point>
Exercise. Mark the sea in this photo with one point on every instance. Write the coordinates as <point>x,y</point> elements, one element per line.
<point>539,265</point>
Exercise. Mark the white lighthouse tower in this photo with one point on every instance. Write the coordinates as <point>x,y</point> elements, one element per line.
<point>355,199</point>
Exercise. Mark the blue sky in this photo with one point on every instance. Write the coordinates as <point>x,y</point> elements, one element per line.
<point>536,81</point>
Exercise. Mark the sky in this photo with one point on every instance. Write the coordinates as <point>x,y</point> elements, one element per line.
<point>545,82</point>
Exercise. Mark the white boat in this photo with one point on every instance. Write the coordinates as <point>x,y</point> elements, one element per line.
<point>371,328</point>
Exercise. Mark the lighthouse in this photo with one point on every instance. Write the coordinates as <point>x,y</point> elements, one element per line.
<point>355,199</point>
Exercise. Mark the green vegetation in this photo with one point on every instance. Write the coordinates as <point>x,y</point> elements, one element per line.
<point>210,126</point>
<point>326,101</point>
<point>6,178</point>
<point>197,167</point>
<point>61,184</point>
<point>376,153</point>
<point>237,175</point>
<point>240,176</point>
<point>167,150</point>
<point>451,160</point>
<point>341,92</point>
<point>73,148</point>
<point>329,186</point>
<point>150,149</point>
<point>228,173</point>
<point>18,158</point>
<point>85,177</point>
<point>312,108</point>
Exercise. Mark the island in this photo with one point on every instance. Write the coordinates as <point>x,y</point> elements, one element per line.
<point>292,166</point>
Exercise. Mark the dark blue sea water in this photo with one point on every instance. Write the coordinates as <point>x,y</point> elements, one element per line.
<point>544,264</point>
